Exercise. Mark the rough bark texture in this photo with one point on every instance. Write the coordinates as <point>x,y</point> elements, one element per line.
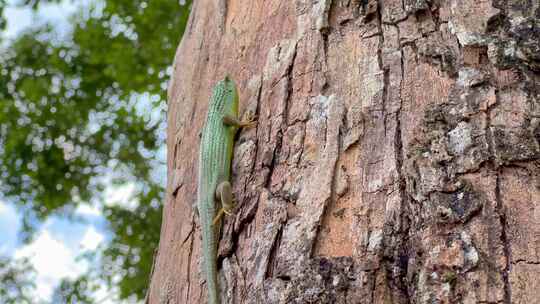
<point>396,159</point>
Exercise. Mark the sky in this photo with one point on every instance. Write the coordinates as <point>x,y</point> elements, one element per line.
<point>56,245</point>
<point>19,18</point>
<point>58,241</point>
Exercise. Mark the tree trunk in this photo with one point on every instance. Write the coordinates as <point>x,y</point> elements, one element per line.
<point>396,157</point>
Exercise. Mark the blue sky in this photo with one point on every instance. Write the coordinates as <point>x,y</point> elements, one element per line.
<point>9,225</point>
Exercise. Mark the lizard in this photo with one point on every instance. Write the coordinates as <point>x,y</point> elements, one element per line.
<point>214,187</point>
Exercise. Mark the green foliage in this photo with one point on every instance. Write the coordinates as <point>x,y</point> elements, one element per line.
<point>71,122</point>
<point>35,3</point>
<point>79,290</point>
<point>125,260</point>
<point>17,281</point>
<point>2,19</point>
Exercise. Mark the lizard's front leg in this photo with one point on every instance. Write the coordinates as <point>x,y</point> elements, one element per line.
<point>230,120</point>
<point>225,196</point>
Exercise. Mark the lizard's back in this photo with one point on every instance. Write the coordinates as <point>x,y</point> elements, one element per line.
<point>215,155</point>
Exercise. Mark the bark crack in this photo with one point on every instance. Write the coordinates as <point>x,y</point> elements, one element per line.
<point>504,240</point>
<point>386,74</point>
<point>188,276</point>
<point>257,114</point>
<point>499,203</point>
<point>273,252</point>
<point>190,233</point>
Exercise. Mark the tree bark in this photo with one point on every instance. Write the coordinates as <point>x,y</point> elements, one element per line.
<point>396,157</point>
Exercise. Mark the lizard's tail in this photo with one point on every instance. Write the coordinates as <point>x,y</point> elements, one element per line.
<point>210,265</point>
<point>212,284</point>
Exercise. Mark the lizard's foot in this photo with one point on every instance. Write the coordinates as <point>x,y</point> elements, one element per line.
<point>225,196</point>
<point>227,209</point>
<point>218,217</point>
<point>249,121</point>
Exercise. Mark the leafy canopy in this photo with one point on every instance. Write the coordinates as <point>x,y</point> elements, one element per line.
<point>78,113</point>
<point>17,281</point>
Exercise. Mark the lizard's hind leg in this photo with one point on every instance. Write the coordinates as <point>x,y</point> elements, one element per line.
<point>225,196</point>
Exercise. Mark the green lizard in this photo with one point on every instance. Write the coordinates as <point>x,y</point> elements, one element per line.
<point>214,188</point>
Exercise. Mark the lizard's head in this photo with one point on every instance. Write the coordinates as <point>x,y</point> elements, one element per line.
<point>226,96</point>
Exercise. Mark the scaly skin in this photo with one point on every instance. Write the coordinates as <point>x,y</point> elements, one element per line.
<point>215,155</point>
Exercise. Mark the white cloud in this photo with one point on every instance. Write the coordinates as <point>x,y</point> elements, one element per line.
<point>88,210</point>
<point>54,258</point>
<point>91,239</point>
<point>17,20</point>
<point>52,261</point>
<point>121,196</point>
<point>3,207</point>
<point>20,18</point>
